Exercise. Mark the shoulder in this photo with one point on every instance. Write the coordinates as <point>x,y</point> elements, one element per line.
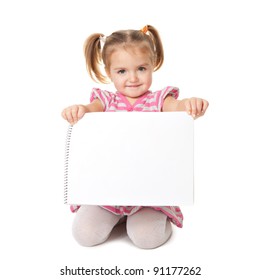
<point>160,95</point>
<point>169,90</point>
<point>102,92</point>
<point>104,96</point>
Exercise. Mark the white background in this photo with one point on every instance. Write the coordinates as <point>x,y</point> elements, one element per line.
<point>211,51</point>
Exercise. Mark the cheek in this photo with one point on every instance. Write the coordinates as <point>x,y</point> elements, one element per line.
<point>117,82</point>
<point>112,78</point>
<point>119,79</point>
<point>149,79</point>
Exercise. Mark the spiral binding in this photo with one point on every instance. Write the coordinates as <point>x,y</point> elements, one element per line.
<point>66,163</point>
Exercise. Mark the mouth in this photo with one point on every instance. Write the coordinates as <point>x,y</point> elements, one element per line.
<point>133,86</point>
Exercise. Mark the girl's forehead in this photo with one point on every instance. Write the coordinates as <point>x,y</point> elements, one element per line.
<point>131,51</point>
<point>130,57</point>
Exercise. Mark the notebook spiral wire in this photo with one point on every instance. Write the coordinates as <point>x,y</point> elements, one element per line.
<point>66,163</point>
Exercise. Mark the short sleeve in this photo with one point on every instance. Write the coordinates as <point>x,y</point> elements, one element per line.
<point>74,208</point>
<point>103,95</point>
<point>162,94</point>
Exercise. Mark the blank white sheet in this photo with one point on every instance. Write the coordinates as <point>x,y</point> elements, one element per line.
<point>131,159</point>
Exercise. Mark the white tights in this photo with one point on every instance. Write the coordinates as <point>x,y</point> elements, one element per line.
<point>147,228</point>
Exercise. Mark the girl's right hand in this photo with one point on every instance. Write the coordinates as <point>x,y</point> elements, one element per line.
<point>74,113</point>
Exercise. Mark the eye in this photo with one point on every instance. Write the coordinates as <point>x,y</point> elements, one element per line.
<point>141,68</point>
<point>121,71</point>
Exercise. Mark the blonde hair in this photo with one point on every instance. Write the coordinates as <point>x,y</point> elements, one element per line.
<point>147,39</point>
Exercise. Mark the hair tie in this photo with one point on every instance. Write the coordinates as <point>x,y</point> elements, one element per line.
<point>144,29</point>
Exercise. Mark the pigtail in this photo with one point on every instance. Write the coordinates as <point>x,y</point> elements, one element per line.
<point>93,57</point>
<point>158,47</point>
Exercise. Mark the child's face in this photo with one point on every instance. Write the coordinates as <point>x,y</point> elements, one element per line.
<point>131,71</point>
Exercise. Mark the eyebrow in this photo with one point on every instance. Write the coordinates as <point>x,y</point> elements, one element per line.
<point>141,65</point>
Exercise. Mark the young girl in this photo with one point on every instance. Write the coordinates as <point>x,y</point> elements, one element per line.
<point>129,57</point>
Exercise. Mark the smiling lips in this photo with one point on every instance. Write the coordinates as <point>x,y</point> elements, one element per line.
<point>133,86</point>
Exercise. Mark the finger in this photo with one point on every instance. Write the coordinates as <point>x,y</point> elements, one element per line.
<point>199,105</point>
<point>63,114</point>
<point>66,115</point>
<point>188,106</point>
<point>193,107</point>
<point>205,106</point>
<point>74,114</point>
<point>69,114</point>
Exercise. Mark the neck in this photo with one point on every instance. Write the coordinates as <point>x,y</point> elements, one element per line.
<point>132,100</point>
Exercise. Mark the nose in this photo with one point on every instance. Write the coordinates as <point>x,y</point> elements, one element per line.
<point>133,77</point>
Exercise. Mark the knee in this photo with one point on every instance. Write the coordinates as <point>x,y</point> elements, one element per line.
<point>92,225</point>
<point>149,236</point>
<point>87,236</point>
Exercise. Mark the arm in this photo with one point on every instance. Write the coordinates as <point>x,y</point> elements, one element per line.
<point>193,106</point>
<point>76,112</point>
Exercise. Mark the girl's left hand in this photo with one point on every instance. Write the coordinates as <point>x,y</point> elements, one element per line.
<point>196,107</point>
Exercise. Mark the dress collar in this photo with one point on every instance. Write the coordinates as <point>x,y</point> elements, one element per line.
<point>137,101</point>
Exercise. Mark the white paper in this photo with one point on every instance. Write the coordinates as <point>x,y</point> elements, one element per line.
<point>132,158</point>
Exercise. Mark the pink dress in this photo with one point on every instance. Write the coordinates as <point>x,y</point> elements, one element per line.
<point>148,102</point>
